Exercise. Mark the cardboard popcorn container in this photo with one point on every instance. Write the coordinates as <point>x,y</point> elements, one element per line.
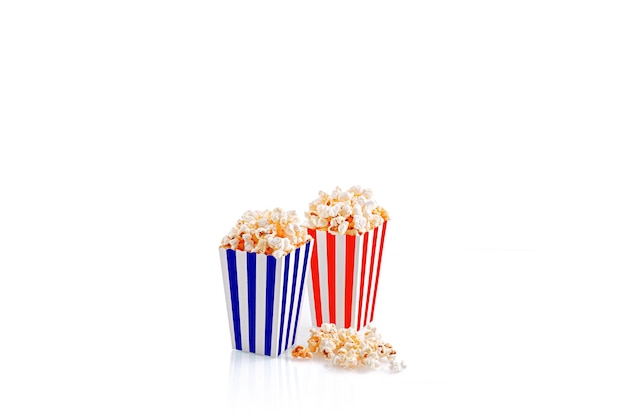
<point>345,271</point>
<point>263,298</point>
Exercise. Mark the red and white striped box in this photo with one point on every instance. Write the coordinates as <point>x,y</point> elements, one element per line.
<point>264,298</point>
<point>344,277</point>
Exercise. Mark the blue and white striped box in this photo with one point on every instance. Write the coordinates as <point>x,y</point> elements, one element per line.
<point>264,298</point>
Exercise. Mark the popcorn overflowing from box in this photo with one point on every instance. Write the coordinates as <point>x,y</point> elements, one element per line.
<point>264,260</point>
<point>349,229</point>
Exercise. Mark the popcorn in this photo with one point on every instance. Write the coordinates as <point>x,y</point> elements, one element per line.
<point>352,212</point>
<point>301,352</point>
<point>394,366</point>
<point>346,348</point>
<point>276,232</point>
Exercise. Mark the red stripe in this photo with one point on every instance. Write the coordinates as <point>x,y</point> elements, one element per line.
<point>363,261</point>
<point>315,278</point>
<point>350,245</point>
<point>369,284</point>
<point>380,257</point>
<point>330,251</point>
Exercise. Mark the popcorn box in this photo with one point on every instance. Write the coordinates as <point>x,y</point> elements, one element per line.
<point>344,277</point>
<point>263,298</point>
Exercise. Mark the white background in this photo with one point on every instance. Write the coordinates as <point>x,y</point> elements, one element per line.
<point>133,134</point>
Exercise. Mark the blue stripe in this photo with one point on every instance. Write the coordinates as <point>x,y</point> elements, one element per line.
<point>306,258</point>
<point>293,295</point>
<point>234,295</point>
<point>283,301</point>
<point>269,303</point>
<point>251,267</point>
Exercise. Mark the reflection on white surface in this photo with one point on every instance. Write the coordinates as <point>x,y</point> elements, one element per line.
<point>257,379</point>
<point>284,383</point>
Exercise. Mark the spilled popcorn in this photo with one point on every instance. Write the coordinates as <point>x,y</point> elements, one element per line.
<point>346,348</point>
<point>352,212</point>
<point>271,232</point>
